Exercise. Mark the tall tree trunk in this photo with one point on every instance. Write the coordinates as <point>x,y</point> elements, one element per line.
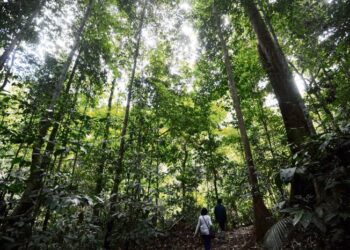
<point>66,126</point>
<point>3,205</point>
<point>158,159</point>
<point>157,194</point>
<point>295,116</point>
<point>101,166</point>
<point>215,173</point>
<point>140,138</point>
<point>266,12</point>
<point>65,134</point>
<point>8,72</point>
<point>263,119</point>
<point>317,95</point>
<point>298,124</point>
<point>34,183</point>
<point>46,161</point>
<point>80,136</point>
<point>138,169</point>
<point>183,180</point>
<point>213,165</point>
<point>119,164</point>
<point>262,216</point>
<point>50,146</point>
<point>27,125</point>
<point>17,38</point>
<point>99,181</point>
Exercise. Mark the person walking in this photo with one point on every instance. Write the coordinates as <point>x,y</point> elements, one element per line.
<point>204,224</point>
<point>220,218</point>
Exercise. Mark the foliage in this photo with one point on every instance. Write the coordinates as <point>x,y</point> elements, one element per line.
<point>324,215</point>
<point>183,147</point>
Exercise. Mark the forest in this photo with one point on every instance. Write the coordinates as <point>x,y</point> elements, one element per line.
<point>121,119</point>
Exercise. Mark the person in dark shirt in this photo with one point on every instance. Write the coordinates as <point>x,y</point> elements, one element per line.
<point>220,217</point>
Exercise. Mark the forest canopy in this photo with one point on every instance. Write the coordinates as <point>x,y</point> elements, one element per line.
<point>121,119</point>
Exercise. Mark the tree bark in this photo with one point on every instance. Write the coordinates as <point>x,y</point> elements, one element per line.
<point>139,158</point>
<point>216,183</point>
<point>295,116</point>
<point>8,72</point>
<point>119,164</point>
<point>183,182</point>
<point>263,119</point>
<point>298,124</point>
<point>158,160</point>
<point>262,216</point>
<point>215,172</point>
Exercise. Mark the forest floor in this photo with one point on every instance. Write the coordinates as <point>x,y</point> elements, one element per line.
<point>181,237</point>
<point>238,239</point>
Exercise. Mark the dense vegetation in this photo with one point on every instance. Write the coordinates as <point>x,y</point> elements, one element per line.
<point>120,118</point>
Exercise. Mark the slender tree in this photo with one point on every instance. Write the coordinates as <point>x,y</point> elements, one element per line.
<point>121,151</point>
<point>213,164</point>
<point>183,177</point>
<point>18,36</point>
<point>50,147</point>
<point>263,217</point>
<point>8,72</point>
<point>34,184</point>
<point>99,180</point>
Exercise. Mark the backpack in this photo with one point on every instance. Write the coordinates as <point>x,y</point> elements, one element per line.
<point>211,229</point>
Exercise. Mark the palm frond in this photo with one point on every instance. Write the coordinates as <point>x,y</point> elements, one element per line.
<point>278,233</point>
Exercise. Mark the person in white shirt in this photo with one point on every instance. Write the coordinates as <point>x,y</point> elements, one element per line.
<point>204,224</point>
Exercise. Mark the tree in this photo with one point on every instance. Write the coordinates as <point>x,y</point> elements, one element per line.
<point>99,181</point>
<point>298,124</point>
<point>120,120</point>
<point>18,36</point>
<point>30,198</point>
<point>263,218</point>
<point>121,151</point>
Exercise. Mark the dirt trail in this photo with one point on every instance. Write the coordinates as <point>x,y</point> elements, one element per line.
<point>240,238</point>
<point>181,237</point>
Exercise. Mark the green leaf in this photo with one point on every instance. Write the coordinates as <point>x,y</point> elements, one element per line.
<point>16,160</point>
<point>278,233</point>
<point>297,217</point>
<point>306,219</point>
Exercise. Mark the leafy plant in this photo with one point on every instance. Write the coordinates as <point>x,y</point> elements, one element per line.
<point>325,211</point>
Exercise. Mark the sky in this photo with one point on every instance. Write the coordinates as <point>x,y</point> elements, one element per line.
<point>185,43</point>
